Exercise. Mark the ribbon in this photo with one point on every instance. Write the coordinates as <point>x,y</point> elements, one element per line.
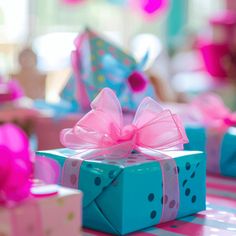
<point>210,110</point>
<point>101,132</point>
<point>15,164</point>
<point>26,218</point>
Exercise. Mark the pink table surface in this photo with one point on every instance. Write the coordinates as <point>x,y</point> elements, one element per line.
<point>8,114</point>
<point>218,219</point>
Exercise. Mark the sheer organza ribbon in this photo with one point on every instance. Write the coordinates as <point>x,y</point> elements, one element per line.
<point>153,130</point>
<point>209,110</point>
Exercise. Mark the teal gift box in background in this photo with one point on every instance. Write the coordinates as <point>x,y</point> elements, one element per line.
<point>125,195</point>
<point>219,147</point>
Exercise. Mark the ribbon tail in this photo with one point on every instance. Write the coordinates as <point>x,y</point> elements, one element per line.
<point>170,180</point>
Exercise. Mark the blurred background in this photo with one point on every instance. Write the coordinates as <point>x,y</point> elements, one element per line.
<point>188,46</point>
<point>50,27</point>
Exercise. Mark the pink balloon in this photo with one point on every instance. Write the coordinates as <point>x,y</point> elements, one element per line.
<point>149,8</point>
<point>72,2</point>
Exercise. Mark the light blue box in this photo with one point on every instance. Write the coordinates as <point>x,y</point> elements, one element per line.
<point>197,136</point>
<point>125,195</point>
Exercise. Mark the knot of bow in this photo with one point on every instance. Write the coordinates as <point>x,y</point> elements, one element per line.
<point>153,127</point>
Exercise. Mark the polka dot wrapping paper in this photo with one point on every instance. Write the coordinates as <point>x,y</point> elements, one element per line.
<point>219,147</point>
<point>125,195</point>
<point>56,214</point>
<point>219,218</point>
<point>98,63</point>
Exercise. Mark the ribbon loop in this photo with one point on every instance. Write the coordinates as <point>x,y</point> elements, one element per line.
<point>102,127</point>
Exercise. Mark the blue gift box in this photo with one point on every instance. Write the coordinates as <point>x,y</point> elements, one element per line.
<point>125,195</point>
<point>102,64</point>
<point>222,144</point>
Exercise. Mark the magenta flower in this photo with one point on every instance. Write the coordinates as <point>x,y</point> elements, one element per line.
<point>15,164</point>
<point>137,81</point>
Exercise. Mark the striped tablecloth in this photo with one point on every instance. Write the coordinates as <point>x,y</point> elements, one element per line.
<point>218,219</point>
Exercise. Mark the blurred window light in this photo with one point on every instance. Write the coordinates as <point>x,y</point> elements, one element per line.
<point>54,50</point>
<point>143,43</point>
<point>13,21</point>
<point>201,10</point>
<point>191,82</point>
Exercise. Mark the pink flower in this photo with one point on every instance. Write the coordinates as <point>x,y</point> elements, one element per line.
<point>15,164</point>
<point>137,81</point>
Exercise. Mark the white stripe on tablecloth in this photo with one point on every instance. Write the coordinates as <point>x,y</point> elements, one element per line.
<point>221,193</point>
<point>158,231</point>
<point>211,223</point>
<point>230,182</point>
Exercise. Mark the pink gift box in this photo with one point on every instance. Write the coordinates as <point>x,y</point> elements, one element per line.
<point>56,213</point>
<point>47,130</point>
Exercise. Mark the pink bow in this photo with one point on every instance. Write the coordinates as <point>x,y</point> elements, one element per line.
<point>209,109</point>
<point>103,127</point>
<point>103,131</point>
<point>15,164</point>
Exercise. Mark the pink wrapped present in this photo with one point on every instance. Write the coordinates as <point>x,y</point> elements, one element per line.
<point>47,129</point>
<point>50,210</point>
<point>27,210</point>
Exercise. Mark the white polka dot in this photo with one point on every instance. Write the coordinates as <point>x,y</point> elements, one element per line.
<point>214,230</point>
<point>223,212</point>
<point>208,208</point>
<point>209,215</point>
<point>232,218</point>
<point>221,220</point>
